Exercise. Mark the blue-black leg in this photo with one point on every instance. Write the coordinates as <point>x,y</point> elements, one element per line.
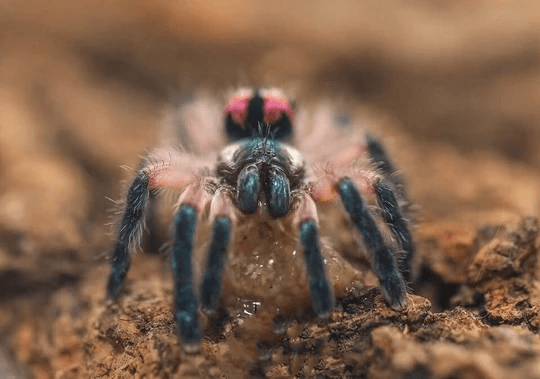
<point>278,193</point>
<point>399,227</point>
<point>322,297</point>
<point>151,240</point>
<point>185,303</point>
<point>384,262</point>
<point>213,278</point>
<point>378,155</point>
<point>131,223</point>
<point>248,187</point>
<point>382,161</point>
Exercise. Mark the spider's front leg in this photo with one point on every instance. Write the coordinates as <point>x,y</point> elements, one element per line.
<point>322,296</point>
<point>222,218</point>
<point>178,173</point>
<point>140,200</point>
<point>129,233</point>
<point>192,201</point>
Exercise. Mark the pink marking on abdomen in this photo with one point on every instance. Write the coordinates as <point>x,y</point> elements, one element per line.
<point>237,108</point>
<point>274,107</point>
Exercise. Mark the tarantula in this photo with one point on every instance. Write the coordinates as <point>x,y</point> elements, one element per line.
<point>260,171</point>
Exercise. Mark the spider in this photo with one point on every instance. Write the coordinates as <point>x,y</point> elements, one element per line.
<point>258,171</point>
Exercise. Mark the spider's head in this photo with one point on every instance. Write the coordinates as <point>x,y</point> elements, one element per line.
<point>251,112</point>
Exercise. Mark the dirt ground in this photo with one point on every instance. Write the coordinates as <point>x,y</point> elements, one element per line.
<point>452,88</point>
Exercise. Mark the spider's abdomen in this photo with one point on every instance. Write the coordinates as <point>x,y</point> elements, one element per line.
<point>250,109</point>
<point>264,170</point>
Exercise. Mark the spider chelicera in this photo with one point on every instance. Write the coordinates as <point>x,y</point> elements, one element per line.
<point>258,170</point>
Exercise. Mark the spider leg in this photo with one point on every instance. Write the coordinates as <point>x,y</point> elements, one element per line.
<point>140,200</point>
<point>151,239</point>
<point>389,193</point>
<point>380,159</point>
<point>379,156</point>
<point>192,201</point>
<point>322,296</point>
<point>385,266</point>
<point>221,212</point>
<point>130,228</point>
<point>391,214</point>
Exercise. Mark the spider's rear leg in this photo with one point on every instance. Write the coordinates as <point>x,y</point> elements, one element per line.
<point>391,214</point>
<point>222,214</point>
<point>385,265</point>
<point>130,229</point>
<point>381,160</point>
<point>322,297</point>
<point>393,203</point>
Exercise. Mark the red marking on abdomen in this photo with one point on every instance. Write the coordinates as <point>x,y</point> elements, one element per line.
<point>237,108</point>
<point>274,107</point>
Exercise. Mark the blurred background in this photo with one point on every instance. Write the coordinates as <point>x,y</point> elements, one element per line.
<point>83,85</point>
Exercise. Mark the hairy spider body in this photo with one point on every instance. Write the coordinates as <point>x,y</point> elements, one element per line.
<point>259,172</point>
